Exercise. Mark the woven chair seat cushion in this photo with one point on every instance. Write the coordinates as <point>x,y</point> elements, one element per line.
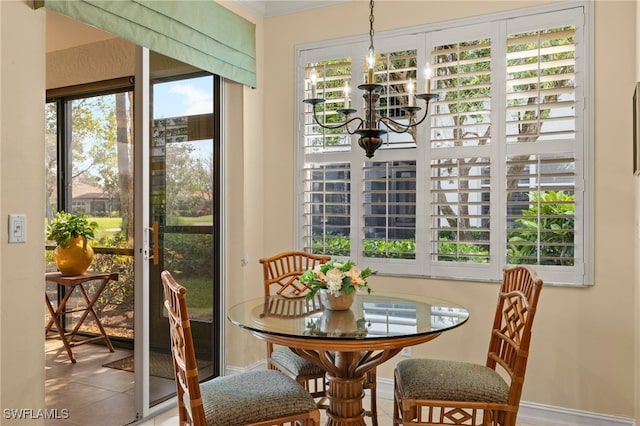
<point>294,363</point>
<point>433,379</point>
<point>251,397</point>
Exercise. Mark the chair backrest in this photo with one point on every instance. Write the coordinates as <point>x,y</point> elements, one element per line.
<point>281,272</point>
<point>511,333</point>
<point>190,409</point>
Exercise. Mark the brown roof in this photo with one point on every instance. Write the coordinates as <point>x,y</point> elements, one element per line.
<point>84,190</point>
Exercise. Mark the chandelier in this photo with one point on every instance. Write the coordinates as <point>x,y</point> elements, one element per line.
<point>373,126</point>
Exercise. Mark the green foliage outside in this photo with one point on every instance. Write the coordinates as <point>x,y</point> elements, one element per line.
<point>551,222</point>
<point>333,245</point>
<point>398,249</point>
<point>465,252</point>
<point>189,255</point>
<point>543,235</point>
<point>117,292</point>
<point>340,245</point>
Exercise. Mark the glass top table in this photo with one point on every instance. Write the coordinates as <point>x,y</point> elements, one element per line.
<point>348,343</point>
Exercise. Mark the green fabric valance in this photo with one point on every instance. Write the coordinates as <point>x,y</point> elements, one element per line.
<point>201,33</point>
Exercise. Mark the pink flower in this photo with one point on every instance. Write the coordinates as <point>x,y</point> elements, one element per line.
<point>356,276</point>
<point>319,274</point>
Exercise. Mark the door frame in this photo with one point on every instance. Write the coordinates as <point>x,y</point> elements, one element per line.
<point>143,236</point>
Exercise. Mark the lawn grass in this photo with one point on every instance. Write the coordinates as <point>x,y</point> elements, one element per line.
<point>199,297</point>
<point>107,222</point>
<point>116,222</point>
<point>186,221</point>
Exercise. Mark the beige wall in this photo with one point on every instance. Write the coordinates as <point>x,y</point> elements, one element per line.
<point>96,61</point>
<point>636,51</point>
<point>21,172</point>
<point>583,346</point>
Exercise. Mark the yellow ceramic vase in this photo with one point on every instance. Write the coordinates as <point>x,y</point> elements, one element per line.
<point>75,259</point>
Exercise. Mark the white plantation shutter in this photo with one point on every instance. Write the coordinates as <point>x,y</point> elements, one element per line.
<point>462,155</point>
<point>390,209</point>
<point>502,177</point>
<point>460,209</point>
<point>462,74</point>
<point>327,206</point>
<point>541,201</point>
<point>541,85</point>
<point>545,199</point>
<point>395,70</point>
<point>332,76</point>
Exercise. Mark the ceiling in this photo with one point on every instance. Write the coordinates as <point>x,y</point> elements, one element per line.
<point>269,8</point>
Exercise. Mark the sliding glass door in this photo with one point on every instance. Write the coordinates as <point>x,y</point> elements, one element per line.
<point>181,193</point>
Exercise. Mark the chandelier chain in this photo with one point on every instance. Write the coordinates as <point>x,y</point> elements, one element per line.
<point>371,49</point>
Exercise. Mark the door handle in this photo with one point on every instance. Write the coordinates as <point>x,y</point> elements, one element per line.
<point>155,249</point>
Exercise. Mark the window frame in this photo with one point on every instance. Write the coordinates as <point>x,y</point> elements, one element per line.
<point>423,38</point>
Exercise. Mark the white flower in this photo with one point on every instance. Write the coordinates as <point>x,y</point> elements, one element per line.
<point>334,287</point>
<point>334,280</point>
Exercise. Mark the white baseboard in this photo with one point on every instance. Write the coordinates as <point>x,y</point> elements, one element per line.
<point>533,412</point>
<point>529,411</point>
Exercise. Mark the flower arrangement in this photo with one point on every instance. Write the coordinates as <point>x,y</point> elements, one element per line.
<point>336,277</point>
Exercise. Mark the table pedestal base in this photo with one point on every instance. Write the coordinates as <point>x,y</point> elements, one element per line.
<point>346,374</point>
<point>345,401</point>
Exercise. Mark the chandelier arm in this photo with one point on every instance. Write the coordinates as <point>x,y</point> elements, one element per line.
<point>403,128</point>
<point>339,125</point>
<point>394,125</point>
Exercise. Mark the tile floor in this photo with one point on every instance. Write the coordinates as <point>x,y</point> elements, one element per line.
<point>92,394</point>
<point>100,396</point>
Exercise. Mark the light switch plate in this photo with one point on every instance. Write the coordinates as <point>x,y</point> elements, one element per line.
<point>17,228</point>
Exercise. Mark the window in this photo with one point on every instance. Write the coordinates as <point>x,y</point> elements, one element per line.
<point>89,170</point>
<point>497,173</point>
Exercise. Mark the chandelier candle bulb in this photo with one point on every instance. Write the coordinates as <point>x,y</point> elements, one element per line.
<point>314,83</point>
<point>411,100</point>
<point>427,79</point>
<point>371,60</point>
<point>346,95</point>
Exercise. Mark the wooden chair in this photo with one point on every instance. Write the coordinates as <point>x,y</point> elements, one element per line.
<point>434,392</point>
<point>260,398</point>
<point>281,273</point>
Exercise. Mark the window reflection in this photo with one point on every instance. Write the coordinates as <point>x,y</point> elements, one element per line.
<point>390,319</point>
